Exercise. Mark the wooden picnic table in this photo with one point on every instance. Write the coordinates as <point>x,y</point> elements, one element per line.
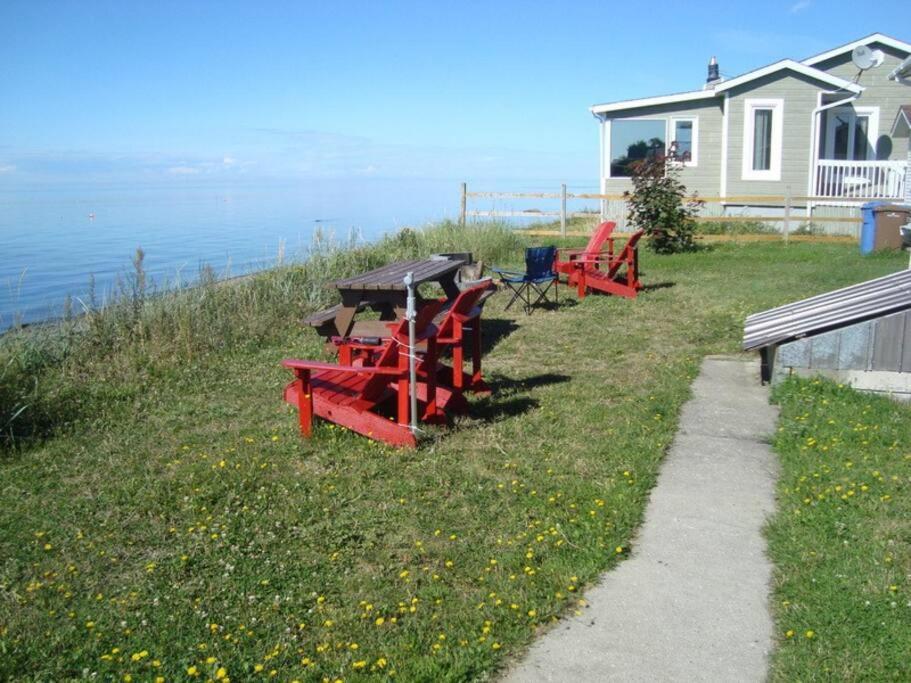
<point>384,289</point>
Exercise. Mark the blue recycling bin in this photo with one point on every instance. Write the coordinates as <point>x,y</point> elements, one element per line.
<point>868,227</point>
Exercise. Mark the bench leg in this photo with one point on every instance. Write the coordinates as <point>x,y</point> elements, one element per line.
<point>305,402</point>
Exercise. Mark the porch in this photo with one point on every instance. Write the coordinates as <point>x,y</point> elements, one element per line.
<point>858,181</point>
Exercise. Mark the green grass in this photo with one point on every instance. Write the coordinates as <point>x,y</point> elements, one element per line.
<point>161,509</point>
<point>841,539</point>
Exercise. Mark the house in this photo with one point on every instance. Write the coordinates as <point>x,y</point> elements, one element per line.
<point>820,130</point>
<point>859,335</point>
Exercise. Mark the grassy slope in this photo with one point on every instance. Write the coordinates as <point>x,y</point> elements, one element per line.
<point>841,540</point>
<point>186,520</point>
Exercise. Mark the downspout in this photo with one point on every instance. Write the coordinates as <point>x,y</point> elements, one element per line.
<point>603,202</point>
<point>814,140</point>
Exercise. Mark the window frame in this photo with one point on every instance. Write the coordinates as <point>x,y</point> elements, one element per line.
<point>750,106</point>
<point>872,116</point>
<point>672,137</point>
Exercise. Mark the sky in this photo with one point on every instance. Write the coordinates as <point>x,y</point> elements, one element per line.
<point>238,92</point>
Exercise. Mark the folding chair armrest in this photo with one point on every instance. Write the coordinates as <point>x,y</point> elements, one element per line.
<point>510,273</point>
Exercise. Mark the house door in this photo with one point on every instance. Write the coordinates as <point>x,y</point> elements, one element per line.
<point>851,133</point>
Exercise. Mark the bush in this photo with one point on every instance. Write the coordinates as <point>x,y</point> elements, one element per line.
<point>658,204</point>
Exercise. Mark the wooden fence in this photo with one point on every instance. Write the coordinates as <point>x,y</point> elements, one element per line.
<point>796,213</point>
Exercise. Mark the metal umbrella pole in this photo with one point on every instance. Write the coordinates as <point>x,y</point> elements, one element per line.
<point>410,316</point>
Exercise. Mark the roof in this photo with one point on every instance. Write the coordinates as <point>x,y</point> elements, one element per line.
<point>709,93</point>
<point>830,311</point>
<point>902,72</point>
<point>847,47</point>
<point>901,127</point>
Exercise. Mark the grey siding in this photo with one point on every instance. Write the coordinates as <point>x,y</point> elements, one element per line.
<point>800,95</point>
<point>705,178</point>
<point>879,92</point>
<point>883,344</point>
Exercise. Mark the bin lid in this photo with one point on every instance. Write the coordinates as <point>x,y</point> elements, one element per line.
<point>887,206</point>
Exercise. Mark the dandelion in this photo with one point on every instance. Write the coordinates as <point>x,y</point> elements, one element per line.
<point>211,660</point>
<point>495,646</point>
<point>221,673</point>
<point>258,667</point>
<point>192,671</point>
<point>381,663</point>
<point>360,664</point>
<point>810,634</point>
<point>379,621</point>
<point>789,633</point>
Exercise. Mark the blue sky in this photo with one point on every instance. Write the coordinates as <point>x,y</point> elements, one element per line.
<point>224,92</point>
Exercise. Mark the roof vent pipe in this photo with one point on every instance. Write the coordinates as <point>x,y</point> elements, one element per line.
<point>714,76</point>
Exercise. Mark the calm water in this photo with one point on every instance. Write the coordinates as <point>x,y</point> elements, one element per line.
<point>50,244</point>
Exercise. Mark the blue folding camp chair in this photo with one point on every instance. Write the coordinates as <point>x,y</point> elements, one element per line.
<point>532,286</point>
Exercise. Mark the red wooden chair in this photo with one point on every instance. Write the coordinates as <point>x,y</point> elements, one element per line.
<point>458,327</point>
<point>604,273</point>
<point>373,399</point>
<point>464,316</point>
<point>567,259</point>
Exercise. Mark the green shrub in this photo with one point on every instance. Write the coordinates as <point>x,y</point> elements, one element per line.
<point>658,204</point>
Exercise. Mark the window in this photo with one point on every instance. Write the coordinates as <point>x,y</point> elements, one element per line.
<point>762,128</point>
<point>850,133</point>
<point>684,141</point>
<point>632,140</point>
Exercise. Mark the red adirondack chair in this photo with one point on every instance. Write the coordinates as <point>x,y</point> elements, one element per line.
<point>373,399</point>
<point>458,326</point>
<point>568,259</point>
<point>604,273</point>
<point>464,316</point>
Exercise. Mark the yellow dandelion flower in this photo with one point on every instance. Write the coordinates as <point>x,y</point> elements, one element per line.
<point>360,664</point>
<point>192,671</point>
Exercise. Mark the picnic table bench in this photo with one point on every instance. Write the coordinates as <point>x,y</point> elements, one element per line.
<point>383,290</point>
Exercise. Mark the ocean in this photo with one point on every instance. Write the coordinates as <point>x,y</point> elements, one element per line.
<point>53,241</point>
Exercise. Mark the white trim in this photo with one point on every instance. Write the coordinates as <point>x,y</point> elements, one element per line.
<point>798,67</point>
<point>652,101</point>
<point>725,118</point>
<point>605,151</point>
<point>872,38</point>
<point>790,64</point>
<point>672,137</point>
<point>749,107</point>
<point>872,113</point>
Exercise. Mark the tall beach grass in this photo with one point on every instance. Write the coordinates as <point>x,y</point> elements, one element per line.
<point>51,375</point>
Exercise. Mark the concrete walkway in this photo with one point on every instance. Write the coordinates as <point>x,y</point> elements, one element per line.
<point>691,602</point>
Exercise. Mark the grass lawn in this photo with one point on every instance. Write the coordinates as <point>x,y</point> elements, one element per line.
<point>178,527</point>
<point>841,540</point>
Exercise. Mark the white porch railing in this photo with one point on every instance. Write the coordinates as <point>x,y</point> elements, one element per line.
<point>838,179</point>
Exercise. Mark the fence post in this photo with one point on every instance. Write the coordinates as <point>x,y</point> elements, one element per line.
<point>787,213</point>
<point>563,210</point>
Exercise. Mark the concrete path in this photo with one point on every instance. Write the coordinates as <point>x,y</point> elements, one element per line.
<point>691,604</point>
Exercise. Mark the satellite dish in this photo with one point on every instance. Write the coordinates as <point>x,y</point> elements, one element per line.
<point>864,57</point>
